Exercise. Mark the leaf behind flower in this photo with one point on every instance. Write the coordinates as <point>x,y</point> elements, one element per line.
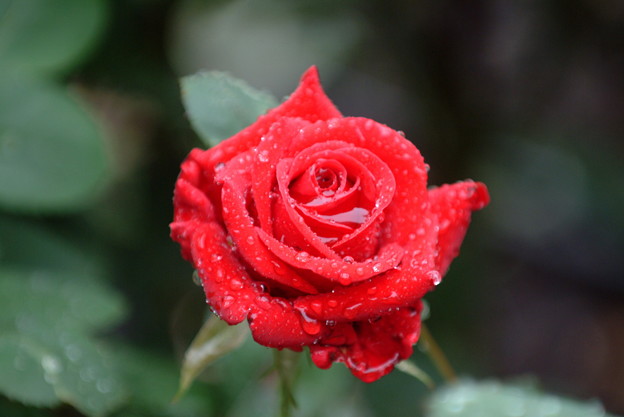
<point>219,105</point>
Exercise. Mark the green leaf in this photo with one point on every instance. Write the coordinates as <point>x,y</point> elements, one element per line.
<point>495,399</point>
<point>219,106</point>
<point>41,36</point>
<point>414,370</point>
<point>27,244</point>
<point>24,367</point>
<point>33,302</point>
<point>52,155</point>
<point>45,320</point>
<point>215,339</point>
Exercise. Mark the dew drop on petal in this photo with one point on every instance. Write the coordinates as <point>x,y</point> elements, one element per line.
<point>332,303</point>
<point>236,284</point>
<point>317,307</point>
<point>302,256</point>
<point>278,268</point>
<point>309,325</point>
<point>196,279</point>
<point>348,259</point>
<point>435,277</point>
<point>359,271</point>
<point>263,156</point>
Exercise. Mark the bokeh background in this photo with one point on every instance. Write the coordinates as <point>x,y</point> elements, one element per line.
<point>526,96</point>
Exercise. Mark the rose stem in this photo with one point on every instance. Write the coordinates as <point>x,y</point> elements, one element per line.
<point>437,355</point>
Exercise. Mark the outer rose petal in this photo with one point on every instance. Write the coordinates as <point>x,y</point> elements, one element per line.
<point>453,204</point>
<point>371,349</point>
<point>234,296</point>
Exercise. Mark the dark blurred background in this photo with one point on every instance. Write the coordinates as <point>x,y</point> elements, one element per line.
<point>526,96</point>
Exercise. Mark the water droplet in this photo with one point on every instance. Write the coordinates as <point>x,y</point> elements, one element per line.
<point>345,278</point>
<point>351,311</point>
<point>348,259</point>
<point>309,325</point>
<point>317,307</point>
<point>219,166</point>
<point>50,365</point>
<point>104,386</point>
<point>236,284</point>
<point>371,290</point>
<point>435,277</point>
<point>263,156</point>
<point>302,256</point>
<point>278,268</point>
<point>73,352</point>
<point>215,257</point>
<point>251,240</point>
<point>332,303</point>
<point>263,302</point>
<point>228,300</point>
<point>377,267</point>
<point>219,275</point>
<point>360,271</point>
<point>197,279</point>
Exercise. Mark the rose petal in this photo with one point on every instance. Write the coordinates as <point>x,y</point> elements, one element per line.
<point>298,227</point>
<point>370,349</point>
<point>340,270</point>
<point>400,287</point>
<point>453,205</point>
<point>268,153</point>
<point>191,205</point>
<point>234,296</point>
<point>241,226</point>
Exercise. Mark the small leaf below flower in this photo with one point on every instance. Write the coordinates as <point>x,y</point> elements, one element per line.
<point>215,339</point>
<point>412,369</point>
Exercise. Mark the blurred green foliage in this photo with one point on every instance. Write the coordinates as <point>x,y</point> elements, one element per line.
<point>96,305</point>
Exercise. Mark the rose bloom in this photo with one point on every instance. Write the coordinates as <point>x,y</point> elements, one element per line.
<point>319,230</point>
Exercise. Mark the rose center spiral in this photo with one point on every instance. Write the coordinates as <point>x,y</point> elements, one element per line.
<point>326,179</point>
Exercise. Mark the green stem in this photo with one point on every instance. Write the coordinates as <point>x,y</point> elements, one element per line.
<point>285,365</point>
<point>437,355</point>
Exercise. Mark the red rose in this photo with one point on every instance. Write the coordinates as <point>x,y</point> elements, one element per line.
<point>320,231</point>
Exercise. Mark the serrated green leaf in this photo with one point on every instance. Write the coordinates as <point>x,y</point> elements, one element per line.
<point>215,339</point>
<point>23,376</point>
<point>219,105</point>
<point>46,318</point>
<point>40,36</point>
<point>52,155</point>
<point>495,399</point>
<point>27,244</point>
<point>32,301</point>
<point>86,377</point>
